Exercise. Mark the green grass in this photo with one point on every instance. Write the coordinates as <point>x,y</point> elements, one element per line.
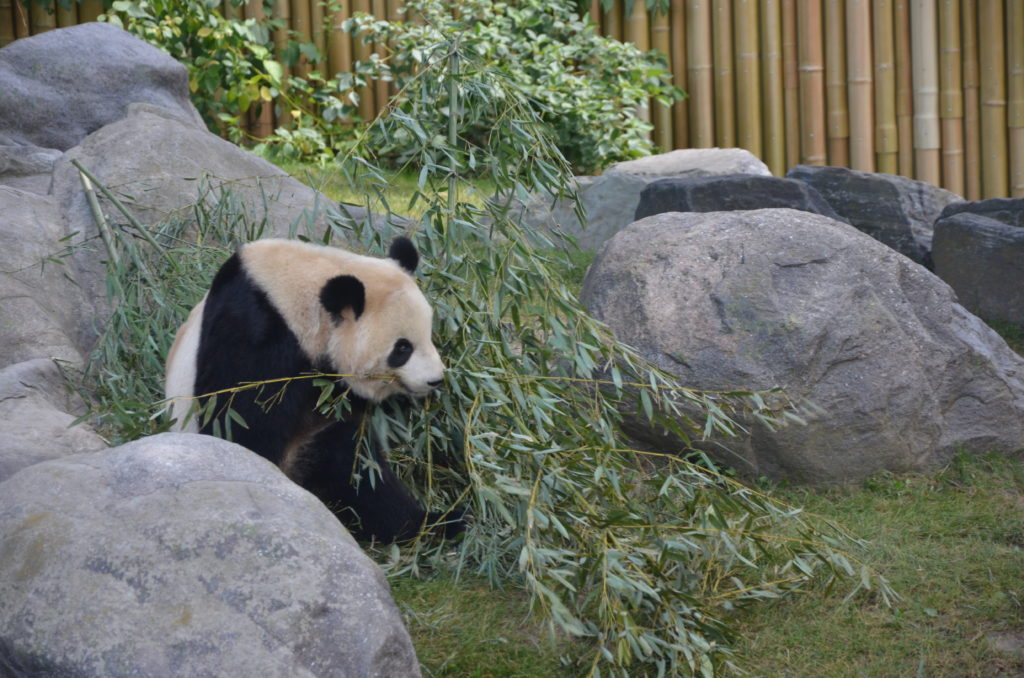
<point>1011,333</point>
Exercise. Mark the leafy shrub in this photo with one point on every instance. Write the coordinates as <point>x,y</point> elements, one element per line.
<point>586,88</point>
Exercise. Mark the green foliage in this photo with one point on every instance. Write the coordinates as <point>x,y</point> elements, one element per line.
<point>586,88</point>
<point>636,556</point>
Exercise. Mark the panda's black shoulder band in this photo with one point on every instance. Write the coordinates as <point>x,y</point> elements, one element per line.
<point>404,252</point>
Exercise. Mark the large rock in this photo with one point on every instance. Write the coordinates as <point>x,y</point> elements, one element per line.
<point>42,313</point>
<point>184,555</point>
<point>37,414</point>
<point>61,85</point>
<point>903,374</point>
<point>983,261</point>
<point>897,211</point>
<point>610,200</point>
<point>730,192</point>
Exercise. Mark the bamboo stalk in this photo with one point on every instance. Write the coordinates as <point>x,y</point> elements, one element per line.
<point>677,34</point>
<point>838,119</point>
<point>748,78</point>
<point>904,88</point>
<point>361,51</point>
<point>228,10</point>
<point>88,10</point>
<point>595,14</point>
<point>317,20</point>
<point>339,43</point>
<point>951,100</point>
<point>67,16</point>
<point>924,46</point>
<point>791,82</point>
<point>282,10</point>
<point>772,80</point>
<point>379,9</point>
<point>613,22</point>
<point>6,22</point>
<point>21,29</point>
<point>1015,111</point>
<point>886,134</point>
<point>812,83</point>
<point>701,73</point>
<point>861,85</point>
<point>637,31</point>
<point>972,99</point>
<point>41,19</point>
<point>662,42</point>
<point>994,175</point>
<point>300,23</point>
<point>261,116</point>
<point>725,91</point>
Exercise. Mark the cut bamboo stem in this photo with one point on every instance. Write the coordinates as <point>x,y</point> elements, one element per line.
<point>381,95</point>
<point>812,83</point>
<point>261,116</point>
<point>836,86</point>
<point>637,31</point>
<point>662,42</point>
<point>1015,89</point>
<point>67,16</point>
<point>677,33</point>
<point>282,11</point>
<point>994,175</point>
<point>886,134</point>
<point>316,21</point>
<point>772,81</point>
<point>861,85</point>
<point>972,99</point>
<point>748,78</point>
<point>361,51</point>
<point>42,18</point>
<point>21,29</point>
<point>300,23</point>
<point>613,22</point>
<point>701,73</point>
<point>88,10</point>
<point>6,22</point>
<point>904,87</point>
<point>339,43</point>
<point>725,92</point>
<point>951,96</point>
<point>927,136</point>
<point>791,82</point>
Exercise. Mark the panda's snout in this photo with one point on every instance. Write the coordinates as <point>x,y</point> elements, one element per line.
<point>435,383</point>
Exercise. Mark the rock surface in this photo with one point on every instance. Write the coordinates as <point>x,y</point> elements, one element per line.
<point>610,200</point>
<point>60,86</point>
<point>895,210</point>
<point>982,259</point>
<point>184,555</point>
<point>36,417</point>
<point>903,374</point>
<point>730,192</point>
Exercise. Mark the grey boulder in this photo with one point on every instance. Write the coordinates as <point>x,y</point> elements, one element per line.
<point>895,210</point>
<point>982,259</point>
<point>184,555</point>
<point>903,375</point>
<point>730,192</point>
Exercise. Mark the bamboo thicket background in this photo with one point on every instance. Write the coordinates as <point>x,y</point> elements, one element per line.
<point>930,89</point>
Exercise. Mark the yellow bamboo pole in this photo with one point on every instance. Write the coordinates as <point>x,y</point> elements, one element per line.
<point>379,9</point>
<point>772,81</point>
<point>361,52</point>
<point>88,10</point>
<point>595,14</point>
<point>228,10</point>
<point>67,16</point>
<point>791,83</point>
<point>339,43</point>
<point>1015,87</point>
<point>613,22</point>
<point>748,78</point>
<point>662,115</point>
<point>836,111</point>
<point>725,88</point>
<point>637,31</point>
<point>316,20</point>
<point>394,15</point>
<point>41,18</point>
<point>261,116</point>
<point>927,136</point>
<point>861,85</point>
<point>700,59</point>
<point>6,22</point>
<point>884,49</point>
<point>677,34</point>
<point>994,175</point>
<point>300,23</point>
<point>904,88</point>
<point>812,83</point>
<point>951,96</point>
<point>972,99</point>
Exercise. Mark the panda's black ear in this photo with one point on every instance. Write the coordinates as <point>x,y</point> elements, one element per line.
<point>404,252</point>
<point>341,292</point>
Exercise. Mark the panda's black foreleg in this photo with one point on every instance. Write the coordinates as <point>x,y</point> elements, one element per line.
<point>372,502</point>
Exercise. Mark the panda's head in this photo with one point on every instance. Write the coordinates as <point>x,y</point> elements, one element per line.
<point>381,326</point>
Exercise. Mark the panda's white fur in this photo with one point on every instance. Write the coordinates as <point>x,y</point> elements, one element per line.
<point>292,273</point>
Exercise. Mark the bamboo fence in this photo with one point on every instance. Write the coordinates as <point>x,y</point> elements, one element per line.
<point>931,89</point>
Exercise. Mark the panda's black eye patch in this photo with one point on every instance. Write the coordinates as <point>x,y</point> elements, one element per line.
<point>401,353</point>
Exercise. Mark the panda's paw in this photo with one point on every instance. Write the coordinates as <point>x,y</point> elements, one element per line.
<point>449,524</point>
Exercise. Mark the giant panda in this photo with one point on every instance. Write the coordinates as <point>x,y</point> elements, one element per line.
<point>282,308</point>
